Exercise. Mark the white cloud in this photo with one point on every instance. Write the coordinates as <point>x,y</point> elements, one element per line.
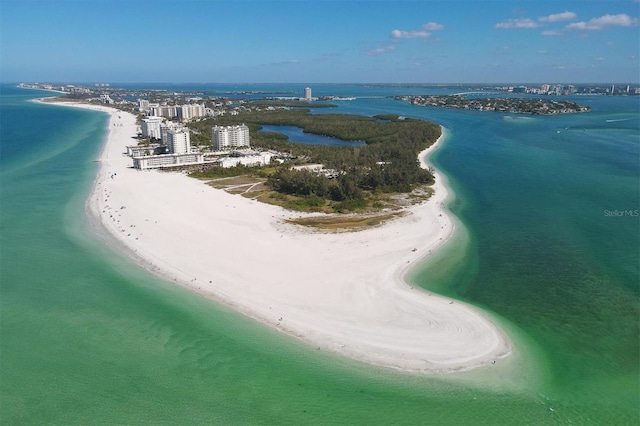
<point>517,23</point>
<point>598,24</point>
<point>409,34</point>
<point>530,23</point>
<point>598,59</point>
<point>423,32</point>
<point>558,17</point>
<point>542,52</point>
<point>432,26</point>
<point>380,50</point>
<point>282,63</point>
<point>564,66</point>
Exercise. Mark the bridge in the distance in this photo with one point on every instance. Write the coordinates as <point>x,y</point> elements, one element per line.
<point>477,93</point>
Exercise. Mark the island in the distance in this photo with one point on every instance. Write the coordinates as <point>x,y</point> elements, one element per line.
<point>534,106</point>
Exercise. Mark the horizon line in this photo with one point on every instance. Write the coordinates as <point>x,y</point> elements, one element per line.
<point>324,83</point>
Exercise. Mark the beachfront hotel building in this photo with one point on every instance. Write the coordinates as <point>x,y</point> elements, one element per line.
<point>142,150</point>
<point>307,93</point>
<point>167,160</point>
<point>151,127</point>
<point>225,137</point>
<point>165,127</point>
<point>178,141</point>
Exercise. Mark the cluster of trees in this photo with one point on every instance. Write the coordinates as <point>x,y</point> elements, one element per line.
<point>308,183</point>
<point>208,172</point>
<point>388,162</point>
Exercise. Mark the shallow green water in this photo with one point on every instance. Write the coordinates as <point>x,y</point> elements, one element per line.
<point>87,337</point>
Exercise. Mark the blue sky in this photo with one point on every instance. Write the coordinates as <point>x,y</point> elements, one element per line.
<point>438,41</point>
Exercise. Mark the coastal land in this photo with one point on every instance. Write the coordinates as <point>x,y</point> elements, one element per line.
<point>343,293</point>
<point>533,106</point>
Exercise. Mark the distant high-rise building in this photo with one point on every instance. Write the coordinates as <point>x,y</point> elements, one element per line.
<point>178,141</point>
<point>162,110</point>
<point>143,105</point>
<point>187,112</point>
<point>224,137</point>
<point>151,127</point>
<point>307,92</point>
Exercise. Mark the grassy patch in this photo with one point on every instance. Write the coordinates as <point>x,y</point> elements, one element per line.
<point>342,223</point>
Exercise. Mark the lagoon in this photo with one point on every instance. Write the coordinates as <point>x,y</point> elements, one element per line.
<point>297,135</point>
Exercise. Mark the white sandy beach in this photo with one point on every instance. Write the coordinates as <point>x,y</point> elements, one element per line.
<point>339,292</point>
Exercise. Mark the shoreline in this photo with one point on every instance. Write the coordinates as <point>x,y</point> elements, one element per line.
<point>338,292</point>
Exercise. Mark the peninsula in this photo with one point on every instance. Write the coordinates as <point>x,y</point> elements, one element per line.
<point>343,293</point>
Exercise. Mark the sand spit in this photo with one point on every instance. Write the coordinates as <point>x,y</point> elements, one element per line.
<point>339,292</point>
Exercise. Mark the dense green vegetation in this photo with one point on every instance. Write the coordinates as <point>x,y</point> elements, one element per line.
<point>387,163</point>
<point>201,138</point>
<point>221,172</point>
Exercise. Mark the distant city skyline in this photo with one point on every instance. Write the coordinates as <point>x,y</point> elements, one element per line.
<point>320,41</point>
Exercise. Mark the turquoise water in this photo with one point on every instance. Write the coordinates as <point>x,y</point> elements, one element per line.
<point>87,337</point>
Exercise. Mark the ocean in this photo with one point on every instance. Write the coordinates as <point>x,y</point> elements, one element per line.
<point>548,245</point>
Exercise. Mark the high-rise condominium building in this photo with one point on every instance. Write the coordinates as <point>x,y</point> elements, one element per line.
<point>163,110</point>
<point>307,92</point>
<point>225,137</point>
<point>143,105</point>
<point>178,141</point>
<point>165,127</point>
<point>151,127</point>
<point>187,112</point>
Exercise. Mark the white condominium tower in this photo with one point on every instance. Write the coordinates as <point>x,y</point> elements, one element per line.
<point>165,127</point>
<point>178,141</point>
<point>151,127</point>
<point>143,105</point>
<point>162,110</point>
<point>224,137</point>
<point>307,92</point>
<point>187,112</point>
